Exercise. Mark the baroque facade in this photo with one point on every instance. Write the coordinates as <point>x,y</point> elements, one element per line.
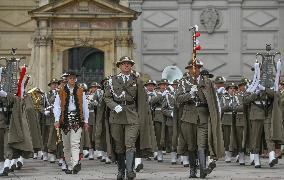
<point>52,34</point>
<point>232,32</point>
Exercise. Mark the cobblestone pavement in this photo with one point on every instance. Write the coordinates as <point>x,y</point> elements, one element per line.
<point>96,170</point>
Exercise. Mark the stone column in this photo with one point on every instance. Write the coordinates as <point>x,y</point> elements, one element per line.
<point>42,61</point>
<point>281,26</point>
<point>137,38</point>
<point>184,36</point>
<point>234,39</point>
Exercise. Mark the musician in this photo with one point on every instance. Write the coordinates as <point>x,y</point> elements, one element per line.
<point>158,118</point>
<point>220,85</point>
<point>71,115</point>
<point>196,95</point>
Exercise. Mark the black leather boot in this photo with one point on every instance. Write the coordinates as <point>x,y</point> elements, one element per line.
<point>130,162</point>
<point>202,163</point>
<point>121,166</point>
<point>193,166</point>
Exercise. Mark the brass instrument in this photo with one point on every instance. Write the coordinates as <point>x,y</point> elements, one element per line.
<point>37,98</point>
<point>58,135</point>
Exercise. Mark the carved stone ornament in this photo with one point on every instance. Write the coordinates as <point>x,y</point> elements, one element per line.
<point>210,18</point>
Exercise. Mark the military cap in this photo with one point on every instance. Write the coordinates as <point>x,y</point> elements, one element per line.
<point>244,81</point>
<point>198,64</point>
<point>150,81</point>
<point>163,81</point>
<point>124,59</point>
<point>176,81</point>
<point>53,81</point>
<point>205,72</point>
<point>72,73</point>
<point>84,86</point>
<point>64,75</point>
<point>219,79</point>
<point>95,84</point>
<point>232,85</point>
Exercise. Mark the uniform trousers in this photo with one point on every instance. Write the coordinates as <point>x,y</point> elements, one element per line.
<point>258,127</point>
<point>125,137</point>
<point>71,143</point>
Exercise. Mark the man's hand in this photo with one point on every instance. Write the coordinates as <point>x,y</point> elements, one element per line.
<point>165,93</point>
<point>193,91</point>
<point>118,109</point>
<point>3,93</point>
<point>260,87</point>
<point>221,90</point>
<point>86,126</point>
<point>56,125</point>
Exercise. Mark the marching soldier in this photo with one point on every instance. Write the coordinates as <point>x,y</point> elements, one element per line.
<point>200,110</point>
<point>220,85</point>
<point>71,115</point>
<point>129,119</point>
<point>49,119</point>
<point>158,118</point>
<point>260,116</point>
<point>168,112</point>
<point>93,101</point>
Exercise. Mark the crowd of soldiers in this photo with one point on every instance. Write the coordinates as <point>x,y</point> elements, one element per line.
<point>125,120</point>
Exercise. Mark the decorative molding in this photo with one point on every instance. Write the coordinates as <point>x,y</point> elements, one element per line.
<point>211,19</point>
<point>160,19</point>
<point>260,18</point>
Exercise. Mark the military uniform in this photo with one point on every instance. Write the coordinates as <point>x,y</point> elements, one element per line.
<point>260,115</point>
<point>159,120</point>
<point>200,111</point>
<point>121,98</point>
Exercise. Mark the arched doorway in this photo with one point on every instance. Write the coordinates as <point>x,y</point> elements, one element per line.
<point>88,62</point>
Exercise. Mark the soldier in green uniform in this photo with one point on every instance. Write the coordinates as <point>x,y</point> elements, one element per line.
<point>122,98</point>
<point>200,111</point>
<point>261,103</point>
<point>168,112</point>
<point>233,123</point>
<point>158,118</point>
<point>49,119</point>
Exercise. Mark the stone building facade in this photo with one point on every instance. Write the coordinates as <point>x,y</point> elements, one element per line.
<point>90,35</point>
<point>232,32</point>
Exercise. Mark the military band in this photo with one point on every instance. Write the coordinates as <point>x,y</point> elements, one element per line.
<point>122,119</point>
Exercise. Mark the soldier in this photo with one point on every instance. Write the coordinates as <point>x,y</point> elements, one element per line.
<point>71,115</point>
<point>49,119</point>
<point>175,86</point>
<point>260,116</point>
<point>125,97</point>
<point>93,103</point>
<point>158,118</point>
<point>197,96</point>
<point>229,104</point>
<point>168,112</point>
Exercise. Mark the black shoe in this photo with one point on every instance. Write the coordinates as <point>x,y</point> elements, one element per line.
<point>257,166</point>
<point>160,161</point>
<point>139,167</point>
<point>192,173</point>
<point>103,160</point>
<point>77,168</point>
<point>131,175</point>
<point>273,162</point>
<point>5,172</point>
<point>148,159</point>
<point>186,165</point>
<point>109,162</point>
<point>120,176</point>
<point>20,165</point>
<point>121,166</point>
<point>91,159</point>
<point>13,168</point>
<point>174,163</point>
<point>68,171</point>
<point>211,166</point>
<point>99,157</point>
<point>242,164</point>
<point>155,158</point>
<point>252,163</point>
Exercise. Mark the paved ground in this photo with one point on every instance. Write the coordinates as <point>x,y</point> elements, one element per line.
<point>95,170</point>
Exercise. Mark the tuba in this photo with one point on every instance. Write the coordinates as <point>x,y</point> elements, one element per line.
<point>172,73</point>
<point>37,97</point>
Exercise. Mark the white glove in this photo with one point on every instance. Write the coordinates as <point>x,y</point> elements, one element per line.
<point>3,93</point>
<point>261,87</point>
<point>118,109</point>
<point>153,94</point>
<point>46,113</point>
<point>221,90</point>
<point>165,93</point>
<point>172,114</point>
<point>96,103</point>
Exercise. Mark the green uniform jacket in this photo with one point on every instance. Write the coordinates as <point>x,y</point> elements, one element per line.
<point>19,136</point>
<point>146,143</point>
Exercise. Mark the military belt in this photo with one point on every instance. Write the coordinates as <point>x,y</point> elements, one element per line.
<point>158,109</point>
<point>125,102</point>
<point>259,102</point>
<point>91,110</point>
<point>232,113</point>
